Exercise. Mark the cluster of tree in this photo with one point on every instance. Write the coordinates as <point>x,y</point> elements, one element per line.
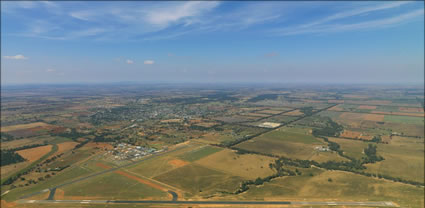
<point>81,144</point>
<point>10,157</point>
<point>264,97</point>
<point>6,137</point>
<point>331,129</point>
<point>52,158</point>
<point>104,139</point>
<point>376,139</point>
<point>370,152</point>
<point>308,111</point>
<point>73,134</point>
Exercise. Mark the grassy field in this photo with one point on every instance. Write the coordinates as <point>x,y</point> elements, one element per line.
<point>112,186</point>
<point>199,153</point>
<point>404,119</point>
<point>199,180</point>
<point>247,165</point>
<point>344,186</point>
<point>351,148</point>
<point>160,164</point>
<point>62,177</point>
<point>404,158</point>
<point>288,134</point>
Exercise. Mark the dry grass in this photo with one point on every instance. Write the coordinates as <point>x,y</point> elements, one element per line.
<point>23,126</point>
<point>294,113</point>
<point>247,166</point>
<point>36,153</point>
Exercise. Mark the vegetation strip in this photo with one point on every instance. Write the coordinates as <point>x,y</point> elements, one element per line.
<point>24,171</point>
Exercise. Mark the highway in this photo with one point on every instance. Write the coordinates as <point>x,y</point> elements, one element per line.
<point>308,203</point>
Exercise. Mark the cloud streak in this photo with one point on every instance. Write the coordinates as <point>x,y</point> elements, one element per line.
<point>16,57</point>
<point>343,27</point>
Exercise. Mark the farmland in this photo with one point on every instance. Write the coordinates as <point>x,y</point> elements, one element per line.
<point>147,143</point>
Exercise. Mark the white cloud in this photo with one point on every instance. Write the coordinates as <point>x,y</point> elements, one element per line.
<point>16,57</point>
<point>129,61</point>
<point>149,62</point>
<point>50,70</point>
<point>187,12</point>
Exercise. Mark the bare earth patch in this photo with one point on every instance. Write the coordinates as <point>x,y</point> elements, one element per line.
<point>177,163</point>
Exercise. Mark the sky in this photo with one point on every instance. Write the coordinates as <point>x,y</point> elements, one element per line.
<point>212,42</point>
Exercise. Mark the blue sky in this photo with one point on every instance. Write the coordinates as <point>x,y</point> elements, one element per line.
<point>208,41</point>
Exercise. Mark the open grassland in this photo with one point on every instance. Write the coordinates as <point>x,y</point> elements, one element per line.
<point>62,177</point>
<point>326,156</point>
<point>199,180</point>
<point>112,186</point>
<point>344,186</point>
<point>19,143</point>
<point>291,134</point>
<point>199,153</point>
<point>404,158</point>
<point>248,166</point>
<point>351,148</point>
<point>161,164</point>
<point>279,147</point>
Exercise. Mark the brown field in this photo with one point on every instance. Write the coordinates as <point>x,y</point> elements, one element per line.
<point>294,113</point>
<point>361,116</point>
<point>176,163</point>
<point>100,145</point>
<point>36,153</point>
<point>400,113</point>
<point>335,101</point>
<point>374,117</point>
<point>23,126</point>
<point>177,120</point>
<point>351,134</point>
<point>414,110</point>
<point>206,124</point>
<point>312,101</point>
<point>367,107</point>
<point>336,108</point>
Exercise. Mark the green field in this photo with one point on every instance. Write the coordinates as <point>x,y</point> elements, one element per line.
<point>113,186</point>
<point>289,134</point>
<point>199,153</point>
<point>404,119</point>
<point>198,180</point>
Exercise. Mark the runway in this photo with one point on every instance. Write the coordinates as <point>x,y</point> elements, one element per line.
<point>312,203</point>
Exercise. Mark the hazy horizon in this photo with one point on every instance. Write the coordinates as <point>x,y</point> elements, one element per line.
<point>212,42</point>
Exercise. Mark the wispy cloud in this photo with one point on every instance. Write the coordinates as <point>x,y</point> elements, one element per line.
<point>149,62</point>
<point>50,70</point>
<point>371,24</point>
<point>329,24</point>
<point>16,57</point>
<point>129,61</point>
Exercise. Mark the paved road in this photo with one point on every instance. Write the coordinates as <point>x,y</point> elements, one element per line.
<point>312,203</point>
